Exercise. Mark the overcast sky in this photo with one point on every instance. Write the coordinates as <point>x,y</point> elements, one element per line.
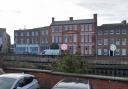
<point>17,14</point>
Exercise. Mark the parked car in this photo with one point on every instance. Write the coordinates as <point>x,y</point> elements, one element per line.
<point>18,81</point>
<point>1,71</point>
<point>73,83</point>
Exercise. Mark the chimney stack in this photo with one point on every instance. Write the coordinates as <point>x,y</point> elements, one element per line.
<point>95,18</point>
<point>124,22</point>
<point>53,19</point>
<point>71,18</point>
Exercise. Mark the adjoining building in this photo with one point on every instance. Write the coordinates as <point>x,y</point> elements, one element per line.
<point>116,34</point>
<point>4,41</point>
<point>31,41</point>
<point>79,35</point>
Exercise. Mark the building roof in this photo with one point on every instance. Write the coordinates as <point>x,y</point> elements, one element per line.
<point>121,25</point>
<point>39,28</point>
<point>68,22</point>
<point>15,75</point>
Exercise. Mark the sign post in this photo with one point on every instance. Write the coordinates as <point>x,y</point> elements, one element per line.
<point>113,48</point>
<point>64,47</point>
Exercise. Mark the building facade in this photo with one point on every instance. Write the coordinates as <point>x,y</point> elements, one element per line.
<point>4,41</point>
<point>116,34</point>
<point>31,41</point>
<point>79,35</point>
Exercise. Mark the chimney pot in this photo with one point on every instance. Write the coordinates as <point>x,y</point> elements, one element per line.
<point>71,18</point>
<point>124,22</point>
<point>53,19</point>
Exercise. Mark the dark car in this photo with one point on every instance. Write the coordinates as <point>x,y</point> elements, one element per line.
<point>73,83</point>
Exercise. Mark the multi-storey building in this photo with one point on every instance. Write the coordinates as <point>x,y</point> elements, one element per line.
<point>116,34</point>
<point>79,35</point>
<point>31,41</point>
<point>4,41</point>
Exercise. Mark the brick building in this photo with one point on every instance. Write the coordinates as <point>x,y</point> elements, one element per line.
<point>31,41</point>
<point>116,34</point>
<point>79,35</point>
<point>4,41</point>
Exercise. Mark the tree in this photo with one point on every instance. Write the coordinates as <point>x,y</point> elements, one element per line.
<point>70,64</point>
<point>54,46</point>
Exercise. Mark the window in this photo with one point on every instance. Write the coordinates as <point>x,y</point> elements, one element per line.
<point>90,27</point>
<point>124,41</point>
<point>56,39</point>
<point>60,39</point>
<point>105,41</point>
<point>117,52</point>
<point>28,80</point>
<point>100,32</point>
<point>105,52</point>
<point>82,38</point>
<point>65,38</point>
<point>21,33</point>
<point>82,49</point>
<point>27,41</point>
<point>86,38</point>
<point>90,38</point>
<point>105,32</point>
<point>16,34</point>
<point>36,33</point>
<point>52,29</point>
<point>74,49</point>
<point>111,31</point>
<point>82,27</point>
<point>21,41</point>
<point>27,33</point>
<point>123,51</point>
<point>43,32</point>
<point>70,38</point>
<point>99,41</point>
<point>46,32</point>
<point>124,31</point>
<point>74,38</point>
<point>86,27</point>
<point>44,40</point>
<point>75,27</point>
<point>90,50</point>
<point>32,33</point>
<point>117,31</point>
<point>70,27</point>
<point>71,49</point>
<point>14,42</point>
<point>56,29</point>
<point>24,82</point>
<point>117,41</point>
<point>111,41</point>
<point>99,51</point>
<point>86,50</point>
<point>32,40</point>
<point>66,28</point>
<point>53,39</point>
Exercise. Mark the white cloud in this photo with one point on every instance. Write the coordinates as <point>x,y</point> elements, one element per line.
<point>14,14</point>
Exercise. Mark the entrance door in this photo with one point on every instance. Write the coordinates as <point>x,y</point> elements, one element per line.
<point>111,53</point>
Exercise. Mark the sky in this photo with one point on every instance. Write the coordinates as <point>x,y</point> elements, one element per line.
<point>20,14</point>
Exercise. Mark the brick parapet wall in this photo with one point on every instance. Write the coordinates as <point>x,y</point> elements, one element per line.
<point>47,79</point>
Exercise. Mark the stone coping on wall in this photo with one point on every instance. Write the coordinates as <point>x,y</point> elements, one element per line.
<point>122,79</point>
